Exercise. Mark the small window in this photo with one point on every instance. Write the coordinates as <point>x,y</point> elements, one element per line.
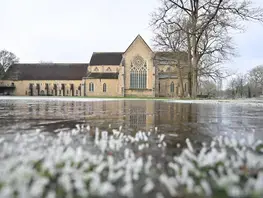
<point>104,87</point>
<point>108,69</point>
<point>26,93</point>
<point>67,92</point>
<point>172,87</point>
<point>76,92</point>
<point>185,87</point>
<point>96,69</point>
<point>59,92</point>
<point>91,87</point>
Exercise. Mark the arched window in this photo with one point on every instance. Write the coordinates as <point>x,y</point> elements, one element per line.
<point>138,74</point>
<point>91,87</point>
<point>172,87</point>
<point>104,87</point>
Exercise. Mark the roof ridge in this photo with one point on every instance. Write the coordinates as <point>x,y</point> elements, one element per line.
<point>107,52</point>
<point>69,63</point>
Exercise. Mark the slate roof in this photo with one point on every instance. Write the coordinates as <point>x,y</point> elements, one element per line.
<point>103,75</point>
<point>47,71</point>
<point>106,58</point>
<point>170,56</point>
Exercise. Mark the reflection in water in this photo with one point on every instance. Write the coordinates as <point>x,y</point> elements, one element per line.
<point>196,121</point>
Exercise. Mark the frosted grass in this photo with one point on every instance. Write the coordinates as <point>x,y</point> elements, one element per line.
<point>87,162</point>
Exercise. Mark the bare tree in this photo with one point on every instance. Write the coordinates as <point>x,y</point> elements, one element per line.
<point>237,86</point>
<point>200,19</point>
<point>208,87</point>
<point>256,77</point>
<point>6,60</point>
<point>172,41</point>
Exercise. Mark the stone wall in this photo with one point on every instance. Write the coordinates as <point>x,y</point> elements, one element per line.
<point>112,87</point>
<point>165,87</point>
<point>46,87</point>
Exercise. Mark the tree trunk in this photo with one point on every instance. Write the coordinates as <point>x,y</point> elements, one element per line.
<point>189,64</point>
<point>179,71</point>
<point>194,58</point>
<point>194,76</point>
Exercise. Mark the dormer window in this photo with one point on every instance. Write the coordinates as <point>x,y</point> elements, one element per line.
<point>108,69</point>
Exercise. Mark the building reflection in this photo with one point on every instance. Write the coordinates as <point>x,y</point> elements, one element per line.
<point>136,115</point>
<point>186,119</point>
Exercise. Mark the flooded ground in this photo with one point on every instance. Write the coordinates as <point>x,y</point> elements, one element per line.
<point>131,148</point>
<point>197,122</point>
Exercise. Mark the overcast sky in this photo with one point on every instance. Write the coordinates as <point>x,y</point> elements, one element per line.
<point>70,30</point>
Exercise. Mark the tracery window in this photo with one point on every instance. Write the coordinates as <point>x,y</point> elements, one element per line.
<point>104,87</point>
<point>172,87</point>
<point>138,73</point>
<point>91,87</point>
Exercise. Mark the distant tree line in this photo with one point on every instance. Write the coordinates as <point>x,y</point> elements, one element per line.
<point>246,85</point>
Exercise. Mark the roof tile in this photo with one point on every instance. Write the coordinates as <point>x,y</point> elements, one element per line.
<point>47,71</point>
<point>106,58</point>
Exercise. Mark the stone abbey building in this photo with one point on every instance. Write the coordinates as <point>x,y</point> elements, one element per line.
<point>138,71</point>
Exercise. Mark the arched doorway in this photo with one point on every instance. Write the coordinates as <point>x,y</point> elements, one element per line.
<point>63,89</point>
<point>79,88</point>
<point>72,89</point>
<point>55,90</point>
<point>38,89</point>
<point>31,89</point>
<point>47,88</point>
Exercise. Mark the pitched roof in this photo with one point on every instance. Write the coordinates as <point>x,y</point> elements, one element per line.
<point>106,58</point>
<point>47,71</point>
<point>137,37</point>
<point>103,75</point>
<point>171,56</point>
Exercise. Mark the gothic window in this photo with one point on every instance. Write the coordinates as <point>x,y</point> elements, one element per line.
<point>104,87</point>
<point>108,69</point>
<point>172,87</point>
<point>138,73</point>
<point>96,69</point>
<point>91,87</point>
